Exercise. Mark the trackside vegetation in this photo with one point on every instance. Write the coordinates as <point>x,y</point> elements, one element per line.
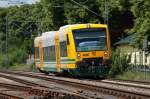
<point>119,63</point>
<point>21,24</point>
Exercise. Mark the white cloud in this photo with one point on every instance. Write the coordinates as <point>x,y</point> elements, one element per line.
<point>30,1</point>
<point>6,3</point>
<point>3,3</point>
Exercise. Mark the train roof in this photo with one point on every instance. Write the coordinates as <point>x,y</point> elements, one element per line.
<point>48,38</point>
<point>67,26</point>
<point>36,41</point>
<point>47,33</point>
<point>75,25</point>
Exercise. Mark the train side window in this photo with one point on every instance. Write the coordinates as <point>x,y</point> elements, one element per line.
<point>67,39</point>
<point>47,51</point>
<point>51,56</point>
<point>63,49</point>
<point>50,50</point>
<point>38,55</point>
<point>44,53</point>
<point>37,52</point>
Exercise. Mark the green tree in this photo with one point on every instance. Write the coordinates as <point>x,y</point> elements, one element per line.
<point>79,11</point>
<point>120,17</point>
<point>141,11</point>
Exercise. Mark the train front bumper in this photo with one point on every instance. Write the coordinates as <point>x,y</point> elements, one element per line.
<point>91,67</point>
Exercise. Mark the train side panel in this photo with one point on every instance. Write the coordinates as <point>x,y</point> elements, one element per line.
<point>49,50</point>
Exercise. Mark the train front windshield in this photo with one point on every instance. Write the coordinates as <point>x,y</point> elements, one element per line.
<point>90,39</point>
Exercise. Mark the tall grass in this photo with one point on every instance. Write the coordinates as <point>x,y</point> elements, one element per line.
<point>119,63</point>
<point>130,75</point>
<point>14,57</point>
<point>3,60</point>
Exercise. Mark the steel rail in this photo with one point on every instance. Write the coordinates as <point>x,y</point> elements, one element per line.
<point>8,96</point>
<point>34,92</point>
<point>37,89</point>
<point>29,83</point>
<point>144,82</point>
<point>102,89</point>
<point>12,87</point>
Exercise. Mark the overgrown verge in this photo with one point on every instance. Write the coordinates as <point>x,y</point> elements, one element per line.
<point>15,56</point>
<point>133,75</point>
<point>119,63</point>
<point>121,69</point>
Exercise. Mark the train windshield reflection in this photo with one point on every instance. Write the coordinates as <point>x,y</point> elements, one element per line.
<point>90,39</point>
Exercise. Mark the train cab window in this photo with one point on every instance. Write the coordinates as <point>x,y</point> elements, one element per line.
<point>90,39</point>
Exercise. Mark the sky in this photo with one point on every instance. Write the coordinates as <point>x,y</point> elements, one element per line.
<point>6,3</point>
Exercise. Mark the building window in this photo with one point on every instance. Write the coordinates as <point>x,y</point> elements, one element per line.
<point>145,58</point>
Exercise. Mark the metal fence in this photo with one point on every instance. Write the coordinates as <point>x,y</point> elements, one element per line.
<point>139,64</point>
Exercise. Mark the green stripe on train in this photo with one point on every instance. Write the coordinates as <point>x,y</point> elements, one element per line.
<point>66,59</point>
<point>62,62</point>
<point>61,59</point>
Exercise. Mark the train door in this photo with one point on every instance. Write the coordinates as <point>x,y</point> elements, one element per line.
<point>41,55</point>
<point>57,52</point>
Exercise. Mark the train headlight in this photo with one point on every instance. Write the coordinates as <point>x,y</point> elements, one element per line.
<point>78,55</point>
<point>105,54</point>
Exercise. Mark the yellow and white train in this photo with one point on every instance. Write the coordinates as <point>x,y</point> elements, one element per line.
<point>79,49</point>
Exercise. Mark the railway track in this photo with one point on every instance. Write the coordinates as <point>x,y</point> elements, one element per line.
<point>77,91</point>
<point>30,89</point>
<point>143,82</point>
<point>13,91</point>
<point>25,92</point>
<point>104,87</point>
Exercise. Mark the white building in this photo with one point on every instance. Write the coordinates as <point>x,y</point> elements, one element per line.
<point>136,56</point>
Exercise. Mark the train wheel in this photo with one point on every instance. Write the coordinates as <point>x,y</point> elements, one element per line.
<point>42,71</point>
<point>63,73</point>
<point>45,72</point>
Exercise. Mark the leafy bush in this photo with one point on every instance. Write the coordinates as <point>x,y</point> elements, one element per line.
<point>119,63</point>
<point>3,61</point>
<point>18,56</point>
